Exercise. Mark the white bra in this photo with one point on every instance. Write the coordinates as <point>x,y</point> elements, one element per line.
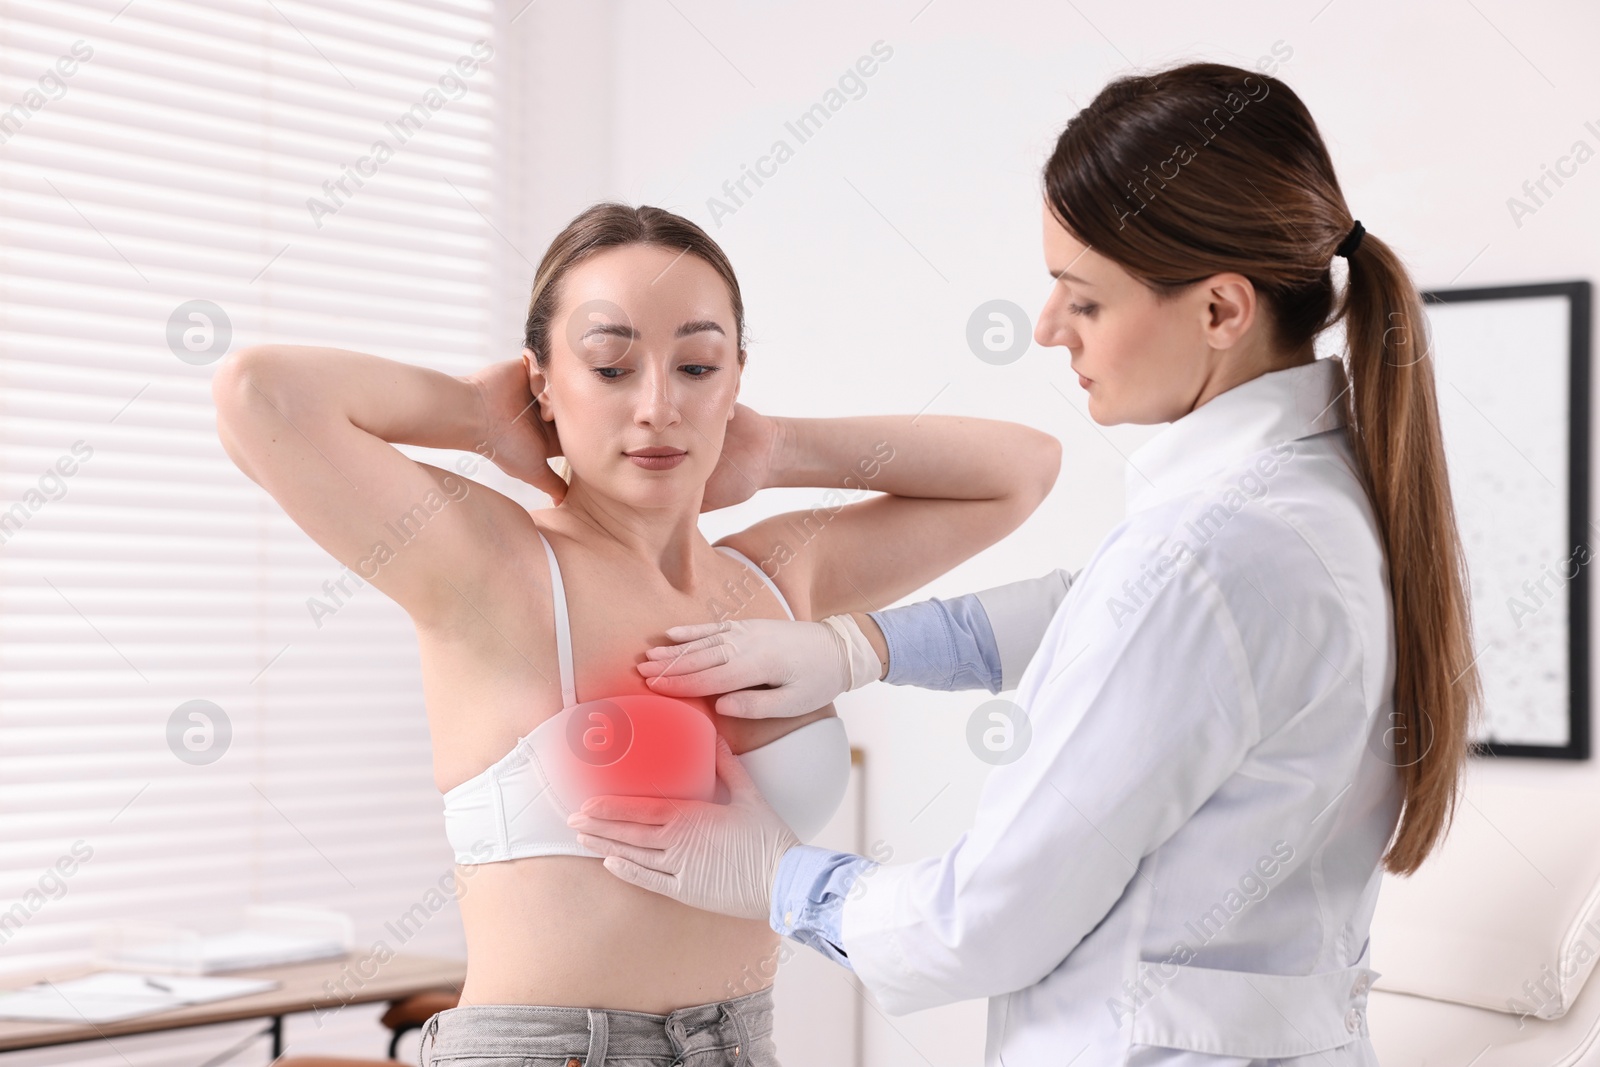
<point>519,806</point>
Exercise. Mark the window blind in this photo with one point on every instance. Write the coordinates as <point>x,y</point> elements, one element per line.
<point>193,717</point>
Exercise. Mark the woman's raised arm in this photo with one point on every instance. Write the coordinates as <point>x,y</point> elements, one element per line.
<point>952,486</point>
<point>316,428</point>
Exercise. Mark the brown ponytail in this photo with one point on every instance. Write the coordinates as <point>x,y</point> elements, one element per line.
<point>1207,168</point>
<point>1393,419</point>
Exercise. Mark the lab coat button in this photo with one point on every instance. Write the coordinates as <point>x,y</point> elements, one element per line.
<point>1352,1020</point>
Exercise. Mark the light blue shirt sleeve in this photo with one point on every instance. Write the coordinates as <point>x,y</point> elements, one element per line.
<point>933,644</point>
<point>808,896</point>
<point>940,644</point>
<point>982,640</point>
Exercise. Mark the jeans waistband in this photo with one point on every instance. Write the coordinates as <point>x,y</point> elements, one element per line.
<point>592,1034</point>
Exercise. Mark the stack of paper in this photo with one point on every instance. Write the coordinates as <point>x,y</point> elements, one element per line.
<point>230,952</point>
<point>107,996</point>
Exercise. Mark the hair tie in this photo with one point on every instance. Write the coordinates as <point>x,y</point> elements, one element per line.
<point>1351,242</point>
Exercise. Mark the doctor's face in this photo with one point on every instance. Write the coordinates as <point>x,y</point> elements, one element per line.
<point>1140,359</point>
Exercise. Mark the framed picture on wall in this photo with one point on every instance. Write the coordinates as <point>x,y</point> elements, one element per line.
<point>1512,374</point>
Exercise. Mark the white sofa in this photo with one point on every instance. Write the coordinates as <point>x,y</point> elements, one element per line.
<point>1485,954</point>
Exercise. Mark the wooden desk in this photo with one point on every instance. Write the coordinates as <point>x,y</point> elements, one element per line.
<point>319,985</point>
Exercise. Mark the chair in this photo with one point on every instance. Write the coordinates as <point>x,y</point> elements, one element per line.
<point>403,1016</point>
<point>1485,954</point>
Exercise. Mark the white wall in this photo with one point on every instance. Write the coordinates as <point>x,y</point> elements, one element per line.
<point>862,257</point>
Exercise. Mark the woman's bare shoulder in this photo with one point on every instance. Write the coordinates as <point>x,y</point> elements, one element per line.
<point>776,546</point>
<point>510,581</point>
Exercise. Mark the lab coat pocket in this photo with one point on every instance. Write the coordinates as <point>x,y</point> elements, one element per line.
<point>1249,1013</point>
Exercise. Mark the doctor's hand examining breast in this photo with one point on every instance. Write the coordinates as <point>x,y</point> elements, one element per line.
<point>805,665</point>
<point>716,857</point>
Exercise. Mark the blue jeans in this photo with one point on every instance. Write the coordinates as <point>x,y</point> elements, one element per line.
<point>728,1033</point>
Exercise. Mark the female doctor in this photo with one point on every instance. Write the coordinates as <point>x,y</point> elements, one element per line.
<point>1254,697</point>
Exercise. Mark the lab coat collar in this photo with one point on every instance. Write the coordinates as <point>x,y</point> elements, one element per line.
<point>1281,405</point>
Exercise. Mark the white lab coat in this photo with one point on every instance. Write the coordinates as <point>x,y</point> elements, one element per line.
<point>1181,868</point>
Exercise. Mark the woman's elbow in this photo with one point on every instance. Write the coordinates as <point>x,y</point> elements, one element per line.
<point>239,385</point>
<point>1046,466</point>
<point>1037,464</point>
<point>262,379</point>
<point>236,372</point>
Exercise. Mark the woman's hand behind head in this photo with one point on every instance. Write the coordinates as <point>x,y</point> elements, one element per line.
<point>746,463</point>
<point>516,439</point>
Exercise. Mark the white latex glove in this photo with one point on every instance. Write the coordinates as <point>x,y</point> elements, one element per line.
<point>806,663</point>
<point>716,857</point>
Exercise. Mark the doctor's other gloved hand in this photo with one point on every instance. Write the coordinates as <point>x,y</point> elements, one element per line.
<point>716,857</point>
<point>807,664</point>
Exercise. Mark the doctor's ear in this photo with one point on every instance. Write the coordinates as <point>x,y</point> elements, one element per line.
<point>1228,306</point>
<point>538,384</point>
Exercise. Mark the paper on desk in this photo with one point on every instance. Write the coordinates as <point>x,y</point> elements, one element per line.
<point>107,996</point>
<point>232,951</point>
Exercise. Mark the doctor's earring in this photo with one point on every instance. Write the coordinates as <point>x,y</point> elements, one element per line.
<point>998,732</point>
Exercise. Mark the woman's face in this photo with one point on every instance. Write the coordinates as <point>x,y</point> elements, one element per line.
<point>644,357</point>
<point>1140,359</point>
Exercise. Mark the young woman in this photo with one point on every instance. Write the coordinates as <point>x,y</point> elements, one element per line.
<point>1255,696</point>
<point>530,624</point>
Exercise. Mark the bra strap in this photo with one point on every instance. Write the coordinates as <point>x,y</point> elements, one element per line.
<point>770,583</point>
<point>558,600</point>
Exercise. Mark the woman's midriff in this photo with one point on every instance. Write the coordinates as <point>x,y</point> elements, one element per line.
<point>562,930</point>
